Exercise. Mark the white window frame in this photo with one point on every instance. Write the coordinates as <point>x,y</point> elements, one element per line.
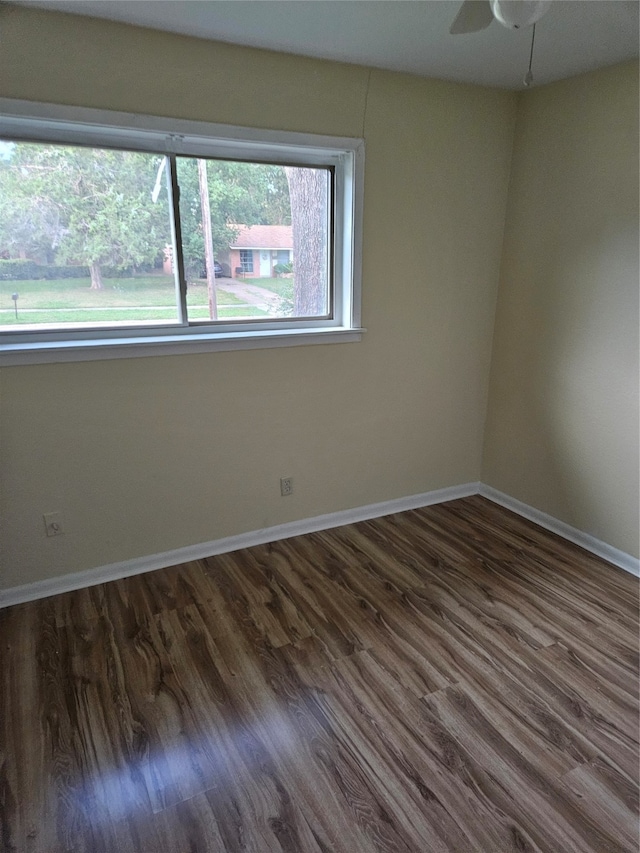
<point>39,122</point>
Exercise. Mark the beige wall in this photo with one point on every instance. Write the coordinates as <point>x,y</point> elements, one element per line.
<point>562,427</point>
<point>150,454</point>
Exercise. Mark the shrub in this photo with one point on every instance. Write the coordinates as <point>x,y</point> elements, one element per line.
<point>21,270</point>
<point>283,269</point>
<point>18,269</point>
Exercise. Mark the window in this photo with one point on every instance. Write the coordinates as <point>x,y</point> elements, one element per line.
<point>246,260</point>
<point>119,236</point>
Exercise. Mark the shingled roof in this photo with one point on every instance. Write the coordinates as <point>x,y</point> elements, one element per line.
<point>263,237</point>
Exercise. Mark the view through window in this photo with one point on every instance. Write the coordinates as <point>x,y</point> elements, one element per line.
<point>87,240</point>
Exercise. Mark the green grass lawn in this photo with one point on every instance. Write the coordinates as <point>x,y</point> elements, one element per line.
<point>282,286</point>
<point>132,300</point>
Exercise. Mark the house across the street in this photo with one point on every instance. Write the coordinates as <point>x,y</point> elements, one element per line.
<point>258,249</point>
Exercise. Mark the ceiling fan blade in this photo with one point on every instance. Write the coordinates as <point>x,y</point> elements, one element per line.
<point>474,15</point>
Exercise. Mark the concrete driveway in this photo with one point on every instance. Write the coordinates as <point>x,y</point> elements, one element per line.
<point>251,294</point>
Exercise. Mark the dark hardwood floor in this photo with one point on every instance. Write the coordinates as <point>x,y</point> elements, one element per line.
<point>446,679</point>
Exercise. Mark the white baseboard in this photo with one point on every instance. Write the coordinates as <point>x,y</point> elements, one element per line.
<point>584,540</point>
<point>128,568</point>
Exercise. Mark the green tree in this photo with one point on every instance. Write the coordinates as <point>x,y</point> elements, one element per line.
<point>30,226</point>
<point>275,200</point>
<point>88,206</point>
<point>239,194</point>
<point>94,206</point>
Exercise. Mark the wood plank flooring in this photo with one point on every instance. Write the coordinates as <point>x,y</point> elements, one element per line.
<point>446,679</point>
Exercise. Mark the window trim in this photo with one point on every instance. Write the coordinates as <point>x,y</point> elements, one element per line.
<point>39,122</point>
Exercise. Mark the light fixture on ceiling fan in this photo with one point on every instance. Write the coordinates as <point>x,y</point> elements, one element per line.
<point>476,15</point>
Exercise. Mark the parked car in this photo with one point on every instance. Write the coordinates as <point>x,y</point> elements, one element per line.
<point>218,270</point>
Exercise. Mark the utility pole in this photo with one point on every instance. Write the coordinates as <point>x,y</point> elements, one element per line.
<point>208,238</point>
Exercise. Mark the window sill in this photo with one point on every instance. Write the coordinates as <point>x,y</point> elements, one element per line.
<point>100,349</point>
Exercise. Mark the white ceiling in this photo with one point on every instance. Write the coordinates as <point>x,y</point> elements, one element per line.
<point>403,35</point>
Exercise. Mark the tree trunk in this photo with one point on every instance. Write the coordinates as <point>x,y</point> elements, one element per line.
<point>208,239</point>
<point>308,192</point>
<point>96,277</point>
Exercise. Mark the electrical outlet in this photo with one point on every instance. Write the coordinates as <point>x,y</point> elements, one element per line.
<point>286,486</point>
<point>53,523</point>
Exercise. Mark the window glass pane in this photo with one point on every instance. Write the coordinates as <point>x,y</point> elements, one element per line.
<point>85,238</point>
<point>244,225</point>
<point>246,261</point>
